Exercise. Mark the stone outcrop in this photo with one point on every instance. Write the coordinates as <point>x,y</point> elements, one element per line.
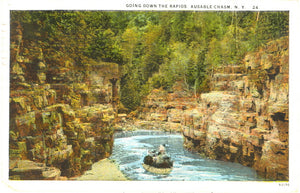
<point>163,110</point>
<point>29,170</point>
<point>243,119</point>
<point>61,116</point>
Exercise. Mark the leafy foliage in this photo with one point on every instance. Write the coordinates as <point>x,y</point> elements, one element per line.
<point>153,49</point>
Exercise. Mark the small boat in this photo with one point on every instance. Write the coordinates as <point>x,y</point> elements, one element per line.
<point>158,163</point>
<point>157,170</point>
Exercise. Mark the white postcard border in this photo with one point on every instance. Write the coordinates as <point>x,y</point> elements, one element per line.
<point>147,186</point>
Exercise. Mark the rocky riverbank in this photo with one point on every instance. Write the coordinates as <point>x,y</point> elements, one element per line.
<point>61,115</point>
<point>244,118</point>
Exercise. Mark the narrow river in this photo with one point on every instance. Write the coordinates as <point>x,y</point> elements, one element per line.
<point>130,148</point>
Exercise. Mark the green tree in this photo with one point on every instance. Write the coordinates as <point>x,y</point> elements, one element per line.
<point>128,45</point>
<point>153,49</point>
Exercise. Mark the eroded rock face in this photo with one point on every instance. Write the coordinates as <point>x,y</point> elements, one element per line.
<point>29,170</point>
<point>247,123</point>
<point>60,116</point>
<point>163,110</point>
<point>243,119</point>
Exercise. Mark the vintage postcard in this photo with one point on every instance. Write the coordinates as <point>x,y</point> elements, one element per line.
<point>149,96</point>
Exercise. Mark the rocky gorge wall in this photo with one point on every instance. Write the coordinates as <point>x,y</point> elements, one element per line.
<point>61,116</point>
<point>244,118</point>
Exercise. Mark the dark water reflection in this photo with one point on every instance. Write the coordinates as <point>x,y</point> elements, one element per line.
<point>129,151</point>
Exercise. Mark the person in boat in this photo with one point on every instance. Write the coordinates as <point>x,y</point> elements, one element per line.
<point>158,156</point>
<point>162,149</point>
<point>158,159</point>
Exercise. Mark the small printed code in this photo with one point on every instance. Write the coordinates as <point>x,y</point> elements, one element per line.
<point>284,184</point>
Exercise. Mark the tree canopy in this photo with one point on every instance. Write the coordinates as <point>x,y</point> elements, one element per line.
<point>153,49</point>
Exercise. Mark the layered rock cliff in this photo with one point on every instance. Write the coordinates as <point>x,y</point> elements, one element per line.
<point>61,115</point>
<point>243,119</point>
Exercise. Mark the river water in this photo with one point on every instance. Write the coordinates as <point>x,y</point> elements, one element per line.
<point>130,148</point>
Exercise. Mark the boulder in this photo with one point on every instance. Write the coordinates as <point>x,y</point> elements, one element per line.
<point>29,170</point>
